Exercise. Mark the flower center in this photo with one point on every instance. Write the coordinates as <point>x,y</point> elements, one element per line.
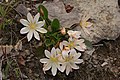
<point>84,24</point>
<point>71,44</point>
<point>32,25</point>
<point>69,58</point>
<point>66,48</point>
<point>53,59</point>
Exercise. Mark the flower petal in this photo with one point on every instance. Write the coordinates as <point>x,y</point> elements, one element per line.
<point>36,18</point>
<point>65,53</point>
<point>58,66</point>
<point>24,22</point>
<point>79,48</point>
<point>85,17</point>
<point>44,60</point>
<point>78,61</point>
<point>63,67</point>
<point>36,35</point>
<point>73,52</point>
<point>77,55</point>
<point>41,30</point>
<point>47,54</point>
<point>74,66</point>
<point>68,69</point>
<point>30,35</point>
<point>29,17</point>
<point>24,30</point>
<point>77,34</point>
<point>79,41</point>
<point>86,30</point>
<point>40,23</point>
<point>61,46</point>
<point>47,66</point>
<point>58,51</point>
<point>89,24</point>
<point>54,70</point>
<point>65,43</point>
<point>70,32</point>
<point>83,46</point>
<point>53,51</point>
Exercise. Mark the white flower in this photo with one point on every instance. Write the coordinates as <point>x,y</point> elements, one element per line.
<point>70,61</point>
<point>73,44</point>
<point>32,26</point>
<point>74,34</point>
<point>52,61</point>
<point>84,23</point>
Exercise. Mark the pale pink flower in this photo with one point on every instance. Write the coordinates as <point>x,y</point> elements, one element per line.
<point>74,34</point>
<point>70,61</point>
<point>73,44</point>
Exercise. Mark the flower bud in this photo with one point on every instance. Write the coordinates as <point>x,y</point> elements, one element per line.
<point>63,31</point>
<point>41,12</point>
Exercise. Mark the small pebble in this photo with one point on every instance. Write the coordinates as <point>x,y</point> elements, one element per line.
<point>104,63</point>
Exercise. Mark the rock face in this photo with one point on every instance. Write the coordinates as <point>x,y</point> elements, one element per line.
<point>103,13</point>
<point>22,9</point>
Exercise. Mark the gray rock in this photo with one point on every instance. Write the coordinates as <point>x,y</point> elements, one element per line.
<point>22,9</point>
<point>104,13</point>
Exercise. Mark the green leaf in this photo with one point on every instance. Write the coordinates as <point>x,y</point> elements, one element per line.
<point>55,25</point>
<point>43,11</point>
<point>17,72</point>
<point>88,44</point>
<point>49,42</point>
<point>6,71</point>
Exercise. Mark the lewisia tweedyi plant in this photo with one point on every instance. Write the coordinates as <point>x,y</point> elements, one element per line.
<point>62,47</point>
<point>85,24</point>
<point>70,61</point>
<point>73,44</point>
<point>74,34</point>
<point>32,26</point>
<point>52,61</point>
<point>67,55</point>
<point>67,60</point>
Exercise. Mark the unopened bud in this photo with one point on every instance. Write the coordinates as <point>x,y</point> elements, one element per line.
<point>63,31</point>
<point>41,12</point>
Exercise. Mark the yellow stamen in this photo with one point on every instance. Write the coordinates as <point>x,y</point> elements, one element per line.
<point>32,25</point>
<point>71,44</point>
<point>53,59</point>
<point>67,59</point>
<point>83,24</point>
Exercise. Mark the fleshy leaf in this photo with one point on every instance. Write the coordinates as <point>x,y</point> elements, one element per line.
<point>55,25</point>
<point>43,11</point>
<point>49,42</point>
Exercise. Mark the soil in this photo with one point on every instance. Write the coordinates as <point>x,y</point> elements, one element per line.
<point>91,69</point>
